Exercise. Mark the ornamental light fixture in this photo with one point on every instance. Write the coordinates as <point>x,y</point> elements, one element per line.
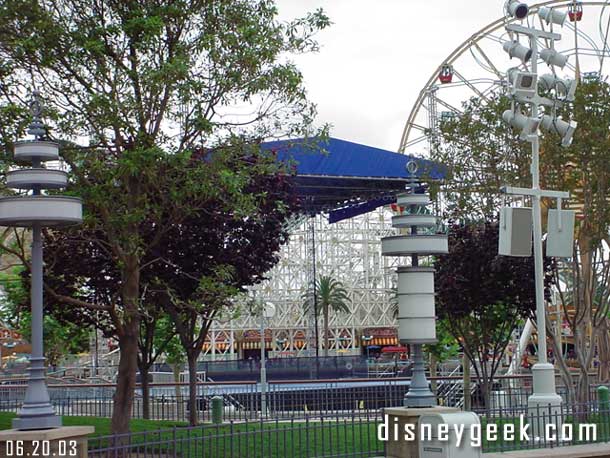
<point>554,58</point>
<point>416,307</point>
<point>565,129</point>
<point>517,9</point>
<point>564,88</point>
<point>516,49</point>
<point>37,210</point>
<point>524,124</point>
<point>552,15</point>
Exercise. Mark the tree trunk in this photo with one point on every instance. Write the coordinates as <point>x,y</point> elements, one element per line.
<point>128,344</point>
<point>584,395</point>
<point>126,378</point>
<point>144,370</point>
<point>326,331</point>
<point>176,369</point>
<point>192,362</point>
<point>486,389</point>
<point>604,355</point>
<point>466,370</point>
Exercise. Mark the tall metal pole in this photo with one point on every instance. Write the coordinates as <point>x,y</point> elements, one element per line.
<point>263,368</point>
<point>37,411</point>
<point>537,217</point>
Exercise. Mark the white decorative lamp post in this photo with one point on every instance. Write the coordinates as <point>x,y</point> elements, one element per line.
<point>416,309</point>
<point>37,210</point>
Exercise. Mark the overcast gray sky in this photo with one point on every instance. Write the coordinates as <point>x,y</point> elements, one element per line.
<point>378,55</point>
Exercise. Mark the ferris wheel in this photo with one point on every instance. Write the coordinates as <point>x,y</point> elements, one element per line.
<point>477,68</point>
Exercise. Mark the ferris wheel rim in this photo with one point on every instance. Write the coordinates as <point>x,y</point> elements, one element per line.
<point>466,45</point>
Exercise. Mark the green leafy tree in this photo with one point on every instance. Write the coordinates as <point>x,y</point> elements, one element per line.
<point>152,84</point>
<point>331,295</point>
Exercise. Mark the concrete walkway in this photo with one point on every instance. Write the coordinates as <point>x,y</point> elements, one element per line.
<point>572,451</point>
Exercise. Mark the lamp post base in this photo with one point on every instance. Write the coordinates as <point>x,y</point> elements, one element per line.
<point>419,398</point>
<point>37,411</point>
<point>544,405</point>
<point>419,394</point>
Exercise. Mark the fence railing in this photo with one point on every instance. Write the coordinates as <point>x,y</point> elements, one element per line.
<point>354,436</point>
<point>549,426</point>
<point>242,401</point>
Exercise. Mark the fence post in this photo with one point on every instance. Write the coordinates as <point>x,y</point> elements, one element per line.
<point>217,410</point>
<point>603,399</point>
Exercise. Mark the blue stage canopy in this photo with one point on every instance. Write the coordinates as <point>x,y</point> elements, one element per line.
<point>346,179</point>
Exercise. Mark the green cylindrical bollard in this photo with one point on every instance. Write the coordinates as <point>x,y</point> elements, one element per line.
<point>603,399</point>
<point>217,408</point>
<point>603,396</point>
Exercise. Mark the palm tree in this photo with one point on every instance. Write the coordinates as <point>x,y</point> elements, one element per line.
<point>330,295</point>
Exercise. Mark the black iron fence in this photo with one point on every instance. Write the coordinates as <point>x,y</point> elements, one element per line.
<point>354,436</point>
<point>243,401</point>
<point>240,401</point>
<point>523,428</point>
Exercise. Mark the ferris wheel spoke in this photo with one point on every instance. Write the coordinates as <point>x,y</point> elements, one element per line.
<point>496,38</point>
<point>420,128</point>
<point>490,91</point>
<point>448,106</point>
<point>604,38</point>
<point>470,85</point>
<point>488,60</point>
<point>417,140</point>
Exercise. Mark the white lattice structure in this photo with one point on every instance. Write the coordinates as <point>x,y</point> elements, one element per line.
<point>350,251</point>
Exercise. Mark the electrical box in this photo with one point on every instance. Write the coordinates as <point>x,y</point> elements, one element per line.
<point>560,233</point>
<point>438,436</point>
<point>515,231</point>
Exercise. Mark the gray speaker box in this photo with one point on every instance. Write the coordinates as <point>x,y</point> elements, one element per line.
<point>560,237</point>
<point>515,231</point>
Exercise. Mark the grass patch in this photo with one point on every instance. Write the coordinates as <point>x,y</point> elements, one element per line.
<point>101,425</point>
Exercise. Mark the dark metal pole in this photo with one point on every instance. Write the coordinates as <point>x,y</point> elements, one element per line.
<point>37,411</point>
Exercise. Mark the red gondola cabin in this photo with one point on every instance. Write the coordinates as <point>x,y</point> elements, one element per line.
<point>575,11</point>
<point>446,74</point>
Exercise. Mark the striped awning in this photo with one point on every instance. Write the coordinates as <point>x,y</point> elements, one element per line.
<point>220,346</point>
<point>269,345</point>
<point>380,341</point>
<point>256,345</point>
